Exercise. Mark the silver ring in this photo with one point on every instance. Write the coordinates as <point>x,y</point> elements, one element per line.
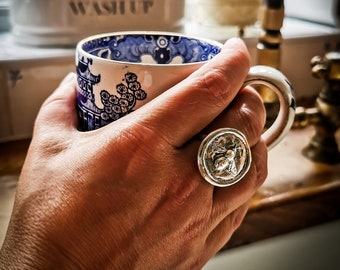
<point>224,157</point>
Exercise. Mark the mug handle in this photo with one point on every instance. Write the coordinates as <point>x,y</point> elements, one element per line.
<point>275,80</point>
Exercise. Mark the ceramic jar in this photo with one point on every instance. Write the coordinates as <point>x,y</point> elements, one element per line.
<point>64,22</point>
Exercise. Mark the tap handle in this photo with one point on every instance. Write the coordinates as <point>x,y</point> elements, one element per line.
<point>327,67</point>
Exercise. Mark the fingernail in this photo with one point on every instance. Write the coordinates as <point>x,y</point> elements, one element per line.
<point>233,40</point>
<point>235,44</point>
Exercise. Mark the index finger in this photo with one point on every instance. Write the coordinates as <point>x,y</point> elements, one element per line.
<point>184,110</point>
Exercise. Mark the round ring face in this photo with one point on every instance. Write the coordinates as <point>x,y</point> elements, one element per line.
<point>224,157</point>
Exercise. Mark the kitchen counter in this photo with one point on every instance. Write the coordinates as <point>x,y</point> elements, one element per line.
<point>313,248</point>
<point>297,194</point>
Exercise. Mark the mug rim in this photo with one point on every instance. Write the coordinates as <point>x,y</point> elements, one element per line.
<point>79,47</point>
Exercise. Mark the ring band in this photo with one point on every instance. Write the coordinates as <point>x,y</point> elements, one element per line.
<point>224,157</point>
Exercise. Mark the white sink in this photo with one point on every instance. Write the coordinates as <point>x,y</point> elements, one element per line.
<point>314,248</point>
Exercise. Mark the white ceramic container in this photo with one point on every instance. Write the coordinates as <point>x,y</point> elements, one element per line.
<point>239,13</point>
<point>64,22</point>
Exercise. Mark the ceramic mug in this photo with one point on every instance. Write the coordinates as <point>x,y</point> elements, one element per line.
<point>118,73</point>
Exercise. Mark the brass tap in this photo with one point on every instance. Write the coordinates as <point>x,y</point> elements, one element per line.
<point>325,116</point>
<point>271,16</point>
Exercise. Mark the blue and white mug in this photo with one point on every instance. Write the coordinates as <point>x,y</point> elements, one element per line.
<point>118,73</point>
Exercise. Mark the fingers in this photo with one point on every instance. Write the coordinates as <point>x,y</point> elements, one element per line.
<point>184,110</point>
<point>220,235</point>
<point>231,204</point>
<point>225,207</point>
<point>246,113</point>
<point>58,111</point>
<point>226,200</point>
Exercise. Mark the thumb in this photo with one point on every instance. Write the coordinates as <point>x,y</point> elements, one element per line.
<point>58,110</point>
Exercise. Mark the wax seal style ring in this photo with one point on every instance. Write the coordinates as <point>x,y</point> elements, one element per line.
<point>224,157</point>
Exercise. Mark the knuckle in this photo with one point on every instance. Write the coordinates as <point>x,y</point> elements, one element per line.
<point>237,217</point>
<point>138,136</point>
<point>254,124</point>
<point>182,190</point>
<point>260,155</point>
<point>251,124</point>
<point>216,84</point>
<point>50,146</point>
<point>194,229</point>
<point>249,116</point>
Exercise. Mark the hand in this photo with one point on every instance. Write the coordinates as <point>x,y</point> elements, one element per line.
<point>129,195</point>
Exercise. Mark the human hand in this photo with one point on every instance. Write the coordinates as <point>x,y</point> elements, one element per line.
<point>129,195</point>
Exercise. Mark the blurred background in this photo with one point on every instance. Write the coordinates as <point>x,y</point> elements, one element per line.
<point>294,219</point>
